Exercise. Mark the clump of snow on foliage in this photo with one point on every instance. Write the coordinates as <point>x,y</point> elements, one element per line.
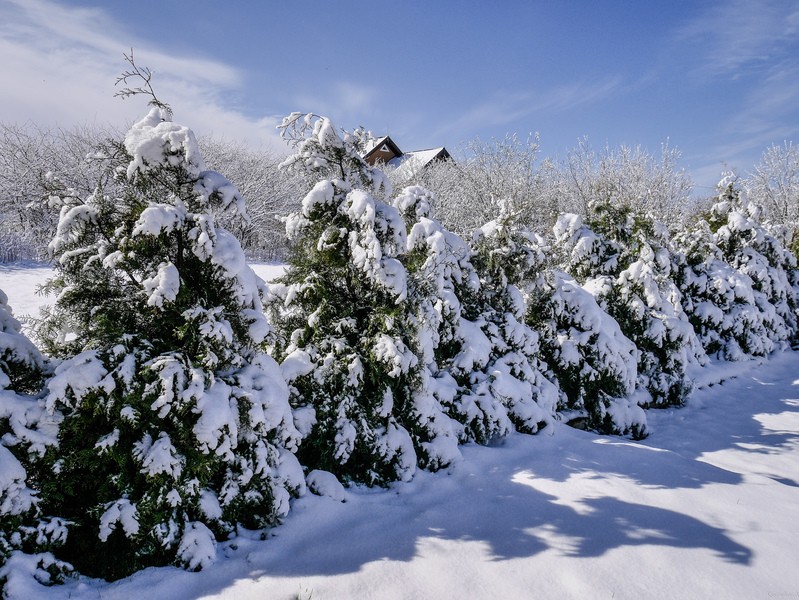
<point>594,362</point>
<point>23,575</point>
<point>323,483</point>
<point>197,547</point>
<point>26,430</point>
<point>155,142</point>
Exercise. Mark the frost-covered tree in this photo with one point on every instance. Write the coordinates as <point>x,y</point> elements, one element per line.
<point>774,183</point>
<point>622,258</point>
<point>35,162</point>
<point>176,424</point>
<point>272,193</point>
<point>471,190</point>
<point>627,176</point>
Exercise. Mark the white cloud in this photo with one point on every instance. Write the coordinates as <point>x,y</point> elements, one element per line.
<point>345,102</point>
<point>60,64</point>
<point>505,108</point>
<point>753,44</point>
<point>355,98</point>
<point>734,36</point>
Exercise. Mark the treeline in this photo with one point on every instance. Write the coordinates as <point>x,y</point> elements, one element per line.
<point>175,398</point>
<point>37,162</point>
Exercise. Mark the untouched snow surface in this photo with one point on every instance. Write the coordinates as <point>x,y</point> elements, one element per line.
<point>706,507</point>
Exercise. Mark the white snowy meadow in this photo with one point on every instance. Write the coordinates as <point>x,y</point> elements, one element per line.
<point>180,409</point>
<point>704,507</point>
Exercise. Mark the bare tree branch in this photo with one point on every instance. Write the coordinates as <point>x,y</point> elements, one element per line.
<point>146,88</point>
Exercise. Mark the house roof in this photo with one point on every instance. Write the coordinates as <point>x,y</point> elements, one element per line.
<point>382,148</point>
<point>410,163</point>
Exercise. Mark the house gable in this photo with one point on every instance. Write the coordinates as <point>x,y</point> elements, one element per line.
<point>383,151</point>
<point>408,164</point>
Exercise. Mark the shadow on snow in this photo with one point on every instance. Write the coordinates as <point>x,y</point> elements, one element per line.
<point>556,493</point>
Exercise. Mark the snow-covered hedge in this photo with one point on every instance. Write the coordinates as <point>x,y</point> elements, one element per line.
<point>184,398</point>
<point>622,258</point>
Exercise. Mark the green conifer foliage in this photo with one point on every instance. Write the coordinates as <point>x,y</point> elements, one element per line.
<point>25,434</point>
<point>348,338</point>
<point>176,425</point>
<point>623,259</point>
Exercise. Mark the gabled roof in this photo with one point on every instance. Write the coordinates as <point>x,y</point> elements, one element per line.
<point>383,150</point>
<point>410,163</point>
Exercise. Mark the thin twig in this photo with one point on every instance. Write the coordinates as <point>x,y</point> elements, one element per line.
<point>146,76</point>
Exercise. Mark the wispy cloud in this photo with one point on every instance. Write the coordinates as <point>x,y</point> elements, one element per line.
<point>753,45</point>
<point>347,103</point>
<point>736,36</point>
<point>60,64</point>
<point>507,107</point>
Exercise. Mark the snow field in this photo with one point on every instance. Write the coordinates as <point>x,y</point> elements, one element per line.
<point>705,507</point>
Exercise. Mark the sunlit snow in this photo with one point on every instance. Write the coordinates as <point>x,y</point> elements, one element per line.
<point>705,507</point>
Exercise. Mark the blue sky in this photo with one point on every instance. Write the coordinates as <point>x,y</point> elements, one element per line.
<point>719,80</point>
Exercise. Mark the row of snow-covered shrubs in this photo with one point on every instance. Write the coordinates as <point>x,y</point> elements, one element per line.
<point>176,397</point>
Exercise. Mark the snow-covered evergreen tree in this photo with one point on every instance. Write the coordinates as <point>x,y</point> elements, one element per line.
<point>445,287</point>
<point>718,299</point>
<point>25,433</point>
<point>22,366</point>
<point>622,258</point>
<point>437,262</point>
<point>506,257</point>
<point>753,251</point>
<point>595,364</point>
<point>176,423</point>
<point>349,334</point>
<point>482,360</point>
<point>347,356</point>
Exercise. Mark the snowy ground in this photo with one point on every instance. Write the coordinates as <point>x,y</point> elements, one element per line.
<point>706,507</point>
